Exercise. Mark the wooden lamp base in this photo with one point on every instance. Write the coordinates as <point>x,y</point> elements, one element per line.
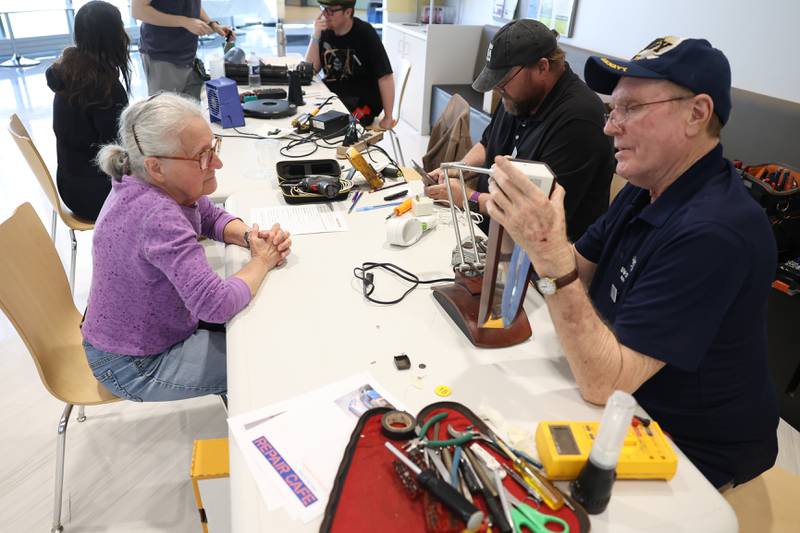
<point>462,299</point>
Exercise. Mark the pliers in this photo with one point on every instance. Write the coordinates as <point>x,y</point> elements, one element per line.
<point>422,439</point>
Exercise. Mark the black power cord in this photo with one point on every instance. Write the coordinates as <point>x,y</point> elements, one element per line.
<point>363,273</point>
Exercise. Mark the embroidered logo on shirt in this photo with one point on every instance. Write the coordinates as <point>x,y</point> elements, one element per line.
<point>613,293</point>
<point>625,272</point>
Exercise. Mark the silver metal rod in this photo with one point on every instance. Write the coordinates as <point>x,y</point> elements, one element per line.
<point>406,461</point>
<point>61,443</point>
<point>468,214</point>
<point>72,261</point>
<point>453,214</point>
<point>501,490</point>
<point>468,168</point>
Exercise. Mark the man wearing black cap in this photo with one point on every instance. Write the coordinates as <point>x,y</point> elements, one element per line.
<point>548,114</point>
<point>677,271</point>
<point>357,69</point>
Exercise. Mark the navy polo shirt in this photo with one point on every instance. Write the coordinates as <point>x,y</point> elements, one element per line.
<point>172,44</point>
<point>685,280</point>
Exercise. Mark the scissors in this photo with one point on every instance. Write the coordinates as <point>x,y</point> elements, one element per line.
<point>523,515</point>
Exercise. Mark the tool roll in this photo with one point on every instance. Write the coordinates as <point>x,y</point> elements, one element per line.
<point>776,187</point>
<point>369,495</point>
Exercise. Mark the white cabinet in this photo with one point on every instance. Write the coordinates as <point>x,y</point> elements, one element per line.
<point>439,54</point>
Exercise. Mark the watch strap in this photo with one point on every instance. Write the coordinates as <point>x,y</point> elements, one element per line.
<point>566,279</point>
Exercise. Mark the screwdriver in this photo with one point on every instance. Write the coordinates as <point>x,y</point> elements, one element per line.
<point>400,209</point>
<point>450,498</point>
<point>490,494</point>
<point>551,495</point>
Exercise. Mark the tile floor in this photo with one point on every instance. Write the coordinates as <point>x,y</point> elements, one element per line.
<point>127,465</point>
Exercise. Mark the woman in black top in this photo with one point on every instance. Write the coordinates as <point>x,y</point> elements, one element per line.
<point>88,101</point>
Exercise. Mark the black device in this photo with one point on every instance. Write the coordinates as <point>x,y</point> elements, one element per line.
<point>269,108</point>
<point>402,362</point>
<point>295,90</point>
<point>270,74</point>
<point>267,93</point>
<point>330,123</point>
<point>351,136</point>
<point>395,196</point>
<point>327,186</point>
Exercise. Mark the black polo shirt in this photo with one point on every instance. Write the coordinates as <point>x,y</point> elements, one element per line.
<point>566,132</point>
<point>685,280</point>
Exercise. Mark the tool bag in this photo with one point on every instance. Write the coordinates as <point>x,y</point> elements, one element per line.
<point>291,173</point>
<point>368,495</point>
<point>776,187</point>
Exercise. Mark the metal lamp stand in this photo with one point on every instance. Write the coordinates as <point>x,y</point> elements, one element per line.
<point>462,299</point>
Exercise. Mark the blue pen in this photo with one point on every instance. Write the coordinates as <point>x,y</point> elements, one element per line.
<point>379,206</point>
<point>356,198</point>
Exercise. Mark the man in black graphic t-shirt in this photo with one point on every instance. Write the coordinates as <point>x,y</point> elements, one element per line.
<point>357,69</point>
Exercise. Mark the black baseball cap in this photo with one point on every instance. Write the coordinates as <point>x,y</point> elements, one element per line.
<point>691,63</point>
<point>344,3</point>
<point>520,42</point>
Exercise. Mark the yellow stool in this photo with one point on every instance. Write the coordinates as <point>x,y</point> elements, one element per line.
<point>209,461</point>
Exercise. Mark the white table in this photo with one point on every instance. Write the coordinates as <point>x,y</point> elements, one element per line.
<point>244,163</point>
<point>309,325</point>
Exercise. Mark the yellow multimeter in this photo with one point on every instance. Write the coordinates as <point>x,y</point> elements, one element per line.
<point>564,448</point>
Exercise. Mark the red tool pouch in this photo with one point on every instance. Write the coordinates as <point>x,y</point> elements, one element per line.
<point>776,188</point>
<point>368,495</point>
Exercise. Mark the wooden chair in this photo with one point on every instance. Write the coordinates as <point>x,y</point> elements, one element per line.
<point>402,81</point>
<point>39,169</point>
<point>767,503</point>
<point>617,183</point>
<point>35,297</point>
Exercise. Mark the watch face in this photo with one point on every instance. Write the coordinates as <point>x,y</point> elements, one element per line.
<point>546,286</point>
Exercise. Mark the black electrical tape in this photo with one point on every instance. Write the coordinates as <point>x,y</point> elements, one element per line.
<point>398,425</point>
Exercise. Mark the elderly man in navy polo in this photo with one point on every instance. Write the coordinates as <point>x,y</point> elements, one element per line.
<point>674,278</point>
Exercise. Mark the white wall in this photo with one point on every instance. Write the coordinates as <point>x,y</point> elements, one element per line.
<point>759,37</point>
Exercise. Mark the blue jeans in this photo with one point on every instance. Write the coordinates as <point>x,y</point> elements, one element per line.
<point>191,368</point>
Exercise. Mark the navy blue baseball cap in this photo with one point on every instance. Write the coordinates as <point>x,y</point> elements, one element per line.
<point>690,63</point>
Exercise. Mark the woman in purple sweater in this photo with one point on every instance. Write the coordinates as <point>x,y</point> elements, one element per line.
<point>152,285</point>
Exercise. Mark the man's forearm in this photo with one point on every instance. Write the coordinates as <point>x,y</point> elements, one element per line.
<point>476,156</point>
<point>592,351</point>
<point>386,88</point>
<point>312,55</point>
<point>146,13</point>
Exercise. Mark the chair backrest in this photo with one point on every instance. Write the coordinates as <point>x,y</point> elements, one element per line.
<point>35,296</point>
<point>617,183</point>
<point>402,81</point>
<point>34,159</point>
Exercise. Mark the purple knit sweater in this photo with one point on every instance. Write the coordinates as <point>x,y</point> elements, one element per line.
<point>151,281</point>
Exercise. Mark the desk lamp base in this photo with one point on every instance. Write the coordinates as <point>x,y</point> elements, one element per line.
<point>462,299</point>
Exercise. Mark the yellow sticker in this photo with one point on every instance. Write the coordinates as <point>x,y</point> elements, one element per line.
<point>442,390</point>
